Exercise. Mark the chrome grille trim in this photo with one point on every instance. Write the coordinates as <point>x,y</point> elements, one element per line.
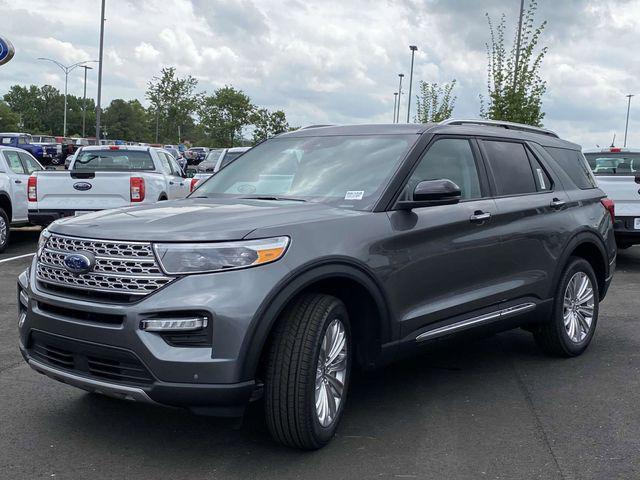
<point>128,268</point>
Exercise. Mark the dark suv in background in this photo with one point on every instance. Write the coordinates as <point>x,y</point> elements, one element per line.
<point>316,251</point>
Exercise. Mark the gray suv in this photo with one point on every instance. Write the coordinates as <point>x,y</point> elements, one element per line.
<point>319,251</point>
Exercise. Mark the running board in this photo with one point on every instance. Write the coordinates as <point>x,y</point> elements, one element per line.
<point>470,322</point>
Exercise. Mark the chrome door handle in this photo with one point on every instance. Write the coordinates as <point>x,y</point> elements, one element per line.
<point>557,204</point>
<point>171,183</point>
<point>480,217</point>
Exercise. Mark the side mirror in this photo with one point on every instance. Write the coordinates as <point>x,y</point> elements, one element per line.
<point>432,192</point>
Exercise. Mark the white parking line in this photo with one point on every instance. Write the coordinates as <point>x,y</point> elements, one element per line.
<point>16,258</point>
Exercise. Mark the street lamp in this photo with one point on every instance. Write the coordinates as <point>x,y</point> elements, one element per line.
<point>66,70</point>
<point>399,96</point>
<point>395,103</point>
<point>626,126</point>
<point>413,49</point>
<point>84,98</point>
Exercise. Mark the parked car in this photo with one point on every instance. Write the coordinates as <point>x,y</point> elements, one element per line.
<point>220,157</point>
<point>617,171</point>
<point>16,165</point>
<point>102,177</point>
<point>23,141</point>
<point>315,251</point>
<point>178,157</point>
<point>196,154</point>
<point>52,150</point>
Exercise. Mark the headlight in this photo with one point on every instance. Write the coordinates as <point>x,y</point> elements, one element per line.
<point>42,241</point>
<point>180,258</point>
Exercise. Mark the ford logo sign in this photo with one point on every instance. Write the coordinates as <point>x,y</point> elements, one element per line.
<point>80,262</point>
<point>82,186</point>
<point>6,50</point>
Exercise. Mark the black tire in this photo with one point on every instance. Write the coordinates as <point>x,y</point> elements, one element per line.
<point>4,226</point>
<point>290,380</point>
<point>552,337</point>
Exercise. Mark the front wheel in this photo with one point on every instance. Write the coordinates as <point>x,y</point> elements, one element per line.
<point>575,312</point>
<point>5,230</point>
<point>308,371</point>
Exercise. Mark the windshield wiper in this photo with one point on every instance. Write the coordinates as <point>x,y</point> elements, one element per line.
<point>272,197</point>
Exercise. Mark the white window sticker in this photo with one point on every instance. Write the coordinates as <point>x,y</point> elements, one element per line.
<point>354,195</point>
<point>543,186</point>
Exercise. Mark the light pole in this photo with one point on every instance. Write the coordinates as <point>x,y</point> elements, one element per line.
<point>399,96</point>
<point>413,49</point>
<point>84,98</point>
<point>626,126</point>
<point>98,108</point>
<point>395,104</point>
<point>66,70</point>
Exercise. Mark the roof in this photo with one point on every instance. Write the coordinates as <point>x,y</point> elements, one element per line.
<point>15,134</point>
<point>612,150</point>
<point>366,129</point>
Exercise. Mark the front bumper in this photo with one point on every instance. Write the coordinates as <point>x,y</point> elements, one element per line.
<point>207,379</point>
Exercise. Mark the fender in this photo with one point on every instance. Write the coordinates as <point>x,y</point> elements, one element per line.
<point>294,283</point>
<point>579,238</point>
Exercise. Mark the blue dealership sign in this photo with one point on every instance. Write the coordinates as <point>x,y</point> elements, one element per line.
<point>6,50</point>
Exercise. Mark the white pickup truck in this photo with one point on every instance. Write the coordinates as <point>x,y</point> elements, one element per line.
<point>106,176</point>
<point>617,172</point>
<point>16,165</point>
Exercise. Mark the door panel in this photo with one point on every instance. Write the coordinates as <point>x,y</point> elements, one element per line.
<point>18,181</point>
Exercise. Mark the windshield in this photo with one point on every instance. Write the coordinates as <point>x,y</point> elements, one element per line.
<point>609,163</point>
<point>119,160</point>
<point>345,171</point>
<point>214,154</point>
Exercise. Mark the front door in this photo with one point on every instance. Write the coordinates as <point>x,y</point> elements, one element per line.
<point>443,256</point>
<point>18,179</point>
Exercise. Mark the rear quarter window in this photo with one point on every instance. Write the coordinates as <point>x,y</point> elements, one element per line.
<point>574,165</point>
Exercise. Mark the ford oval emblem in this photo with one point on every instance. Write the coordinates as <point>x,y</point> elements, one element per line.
<point>82,186</point>
<point>80,262</point>
<point>6,50</point>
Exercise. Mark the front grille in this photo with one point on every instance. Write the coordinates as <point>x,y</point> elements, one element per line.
<point>108,319</point>
<point>124,271</point>
<point>88,359</point>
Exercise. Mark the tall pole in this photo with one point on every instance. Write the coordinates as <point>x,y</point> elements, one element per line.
<point>518,39</point>
<point>399,97</point>
<point>64,124</point>
<point>395,103</point>
<point>626,127</point>
<point>413,49</point>
<point>98,107</point>
<point>84,99</point>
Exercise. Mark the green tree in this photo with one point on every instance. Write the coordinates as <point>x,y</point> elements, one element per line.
<point>26,103</point>
<point>173,102</point>
<point>9,120</point>
<point>126,120</point>
<point>435,102</point>
<point>515,88</point>
<point>224,115</point>
<point>267,124</point>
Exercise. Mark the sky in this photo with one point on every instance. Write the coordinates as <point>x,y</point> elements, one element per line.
<point>336,61</point>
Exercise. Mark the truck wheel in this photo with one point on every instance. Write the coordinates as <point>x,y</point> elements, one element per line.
<point>5,231</point>
<point>307,373</point>
<point>575,312</point>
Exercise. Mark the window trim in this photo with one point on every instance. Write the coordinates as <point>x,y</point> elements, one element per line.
<point>529,151</point>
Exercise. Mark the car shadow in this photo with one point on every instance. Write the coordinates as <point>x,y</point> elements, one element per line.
<point>629,259</point>
<point>22,240</point>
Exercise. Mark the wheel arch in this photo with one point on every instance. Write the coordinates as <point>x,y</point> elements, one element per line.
<point>5,204</point>
<point>348,281</point>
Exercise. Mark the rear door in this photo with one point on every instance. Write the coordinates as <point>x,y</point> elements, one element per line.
<point>180,184</point>
<point>18,179</point>
<point>173,184</point>
<point>532,215</point>
<point>443,255</point>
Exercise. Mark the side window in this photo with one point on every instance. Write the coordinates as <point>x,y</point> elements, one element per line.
<point>22,140</point>
<point>543,181</point>
<point>30,164</point>
<point>175,168</point>
<point>5,140</point>
<point>452,159</point>
<point>14,163</point>
<point>575,165</point>
<point>164,162</point>
<point>510,167</point>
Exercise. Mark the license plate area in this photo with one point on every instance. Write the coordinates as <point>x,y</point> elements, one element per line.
<point>636,223</point>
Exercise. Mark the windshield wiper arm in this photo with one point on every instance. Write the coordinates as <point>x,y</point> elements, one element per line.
<point>272,197</point>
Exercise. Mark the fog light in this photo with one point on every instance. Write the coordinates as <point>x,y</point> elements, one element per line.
<point>174,324</point>
<point>24,299</point>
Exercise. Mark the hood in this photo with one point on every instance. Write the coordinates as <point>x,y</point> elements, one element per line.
<point>194,219</point>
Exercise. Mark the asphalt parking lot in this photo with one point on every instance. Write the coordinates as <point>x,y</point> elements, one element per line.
<point>485,408</point>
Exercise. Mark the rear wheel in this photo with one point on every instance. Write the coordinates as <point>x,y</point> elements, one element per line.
<point>5,231</point>
<point>575,312</point>
<point>308,372</point>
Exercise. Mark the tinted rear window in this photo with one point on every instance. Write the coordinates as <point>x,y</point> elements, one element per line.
<point>117,160</point>
<point>613,163</point>
<point>574,164</point>
<point>510,167</point>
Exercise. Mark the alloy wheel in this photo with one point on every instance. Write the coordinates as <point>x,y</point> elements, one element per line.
<point>578,307</point>
<point>331,373</point>
<point>3,231</point>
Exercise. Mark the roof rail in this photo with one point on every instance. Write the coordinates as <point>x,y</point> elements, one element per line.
<point>501,124</point>
<point>317,126</point>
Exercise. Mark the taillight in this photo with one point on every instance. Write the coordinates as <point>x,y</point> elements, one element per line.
<point>32,189</point>
<point>137,189</point>
<point>610,206</point>
<point>194,182</point>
